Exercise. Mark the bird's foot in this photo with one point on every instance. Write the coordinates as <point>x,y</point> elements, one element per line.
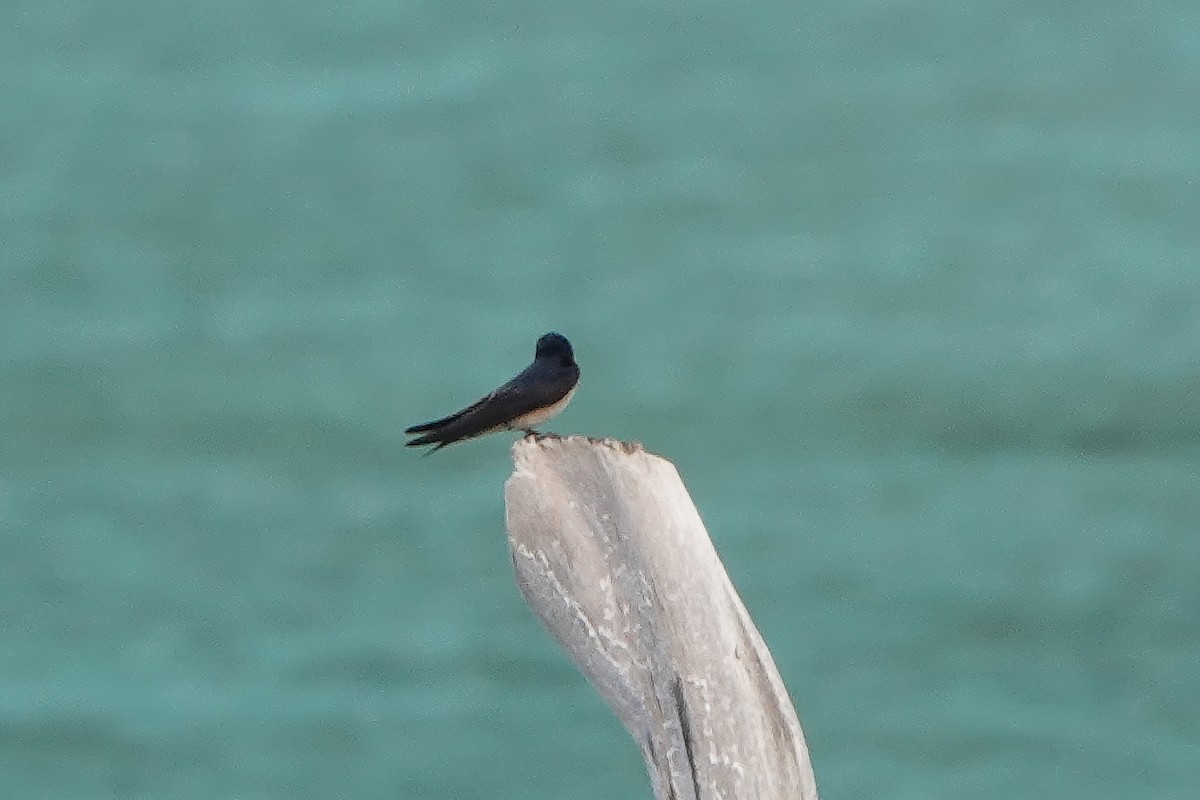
<point>538,435</point>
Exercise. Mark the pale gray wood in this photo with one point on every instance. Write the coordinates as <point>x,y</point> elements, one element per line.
<point>611,555</point>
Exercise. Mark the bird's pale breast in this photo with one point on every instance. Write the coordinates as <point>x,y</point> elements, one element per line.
<point>538,416</point>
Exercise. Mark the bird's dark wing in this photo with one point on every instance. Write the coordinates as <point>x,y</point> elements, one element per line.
<point>437,423</point>
<point>527,392</point>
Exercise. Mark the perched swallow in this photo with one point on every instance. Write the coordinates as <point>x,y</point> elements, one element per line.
<point>540,391</point>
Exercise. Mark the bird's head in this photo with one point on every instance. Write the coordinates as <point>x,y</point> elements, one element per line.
<point>555,346</point>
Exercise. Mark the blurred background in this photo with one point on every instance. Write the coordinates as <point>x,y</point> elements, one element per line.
<point>907,290</point>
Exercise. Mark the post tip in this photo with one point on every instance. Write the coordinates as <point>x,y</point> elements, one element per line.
<point>553,440</point>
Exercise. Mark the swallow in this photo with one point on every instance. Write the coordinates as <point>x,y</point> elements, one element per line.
<point>536,394</point>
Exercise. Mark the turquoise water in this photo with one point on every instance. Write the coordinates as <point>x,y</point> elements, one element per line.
<point>909,293</point>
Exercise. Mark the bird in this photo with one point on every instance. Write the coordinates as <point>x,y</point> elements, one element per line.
<point>537,393</point>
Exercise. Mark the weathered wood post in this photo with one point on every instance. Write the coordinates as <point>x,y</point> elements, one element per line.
<point>611,555</point>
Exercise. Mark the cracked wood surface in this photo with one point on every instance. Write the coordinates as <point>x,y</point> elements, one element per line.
<point>613,558</point>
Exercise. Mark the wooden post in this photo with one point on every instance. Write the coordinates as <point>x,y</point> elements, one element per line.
<point>611,555</point>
